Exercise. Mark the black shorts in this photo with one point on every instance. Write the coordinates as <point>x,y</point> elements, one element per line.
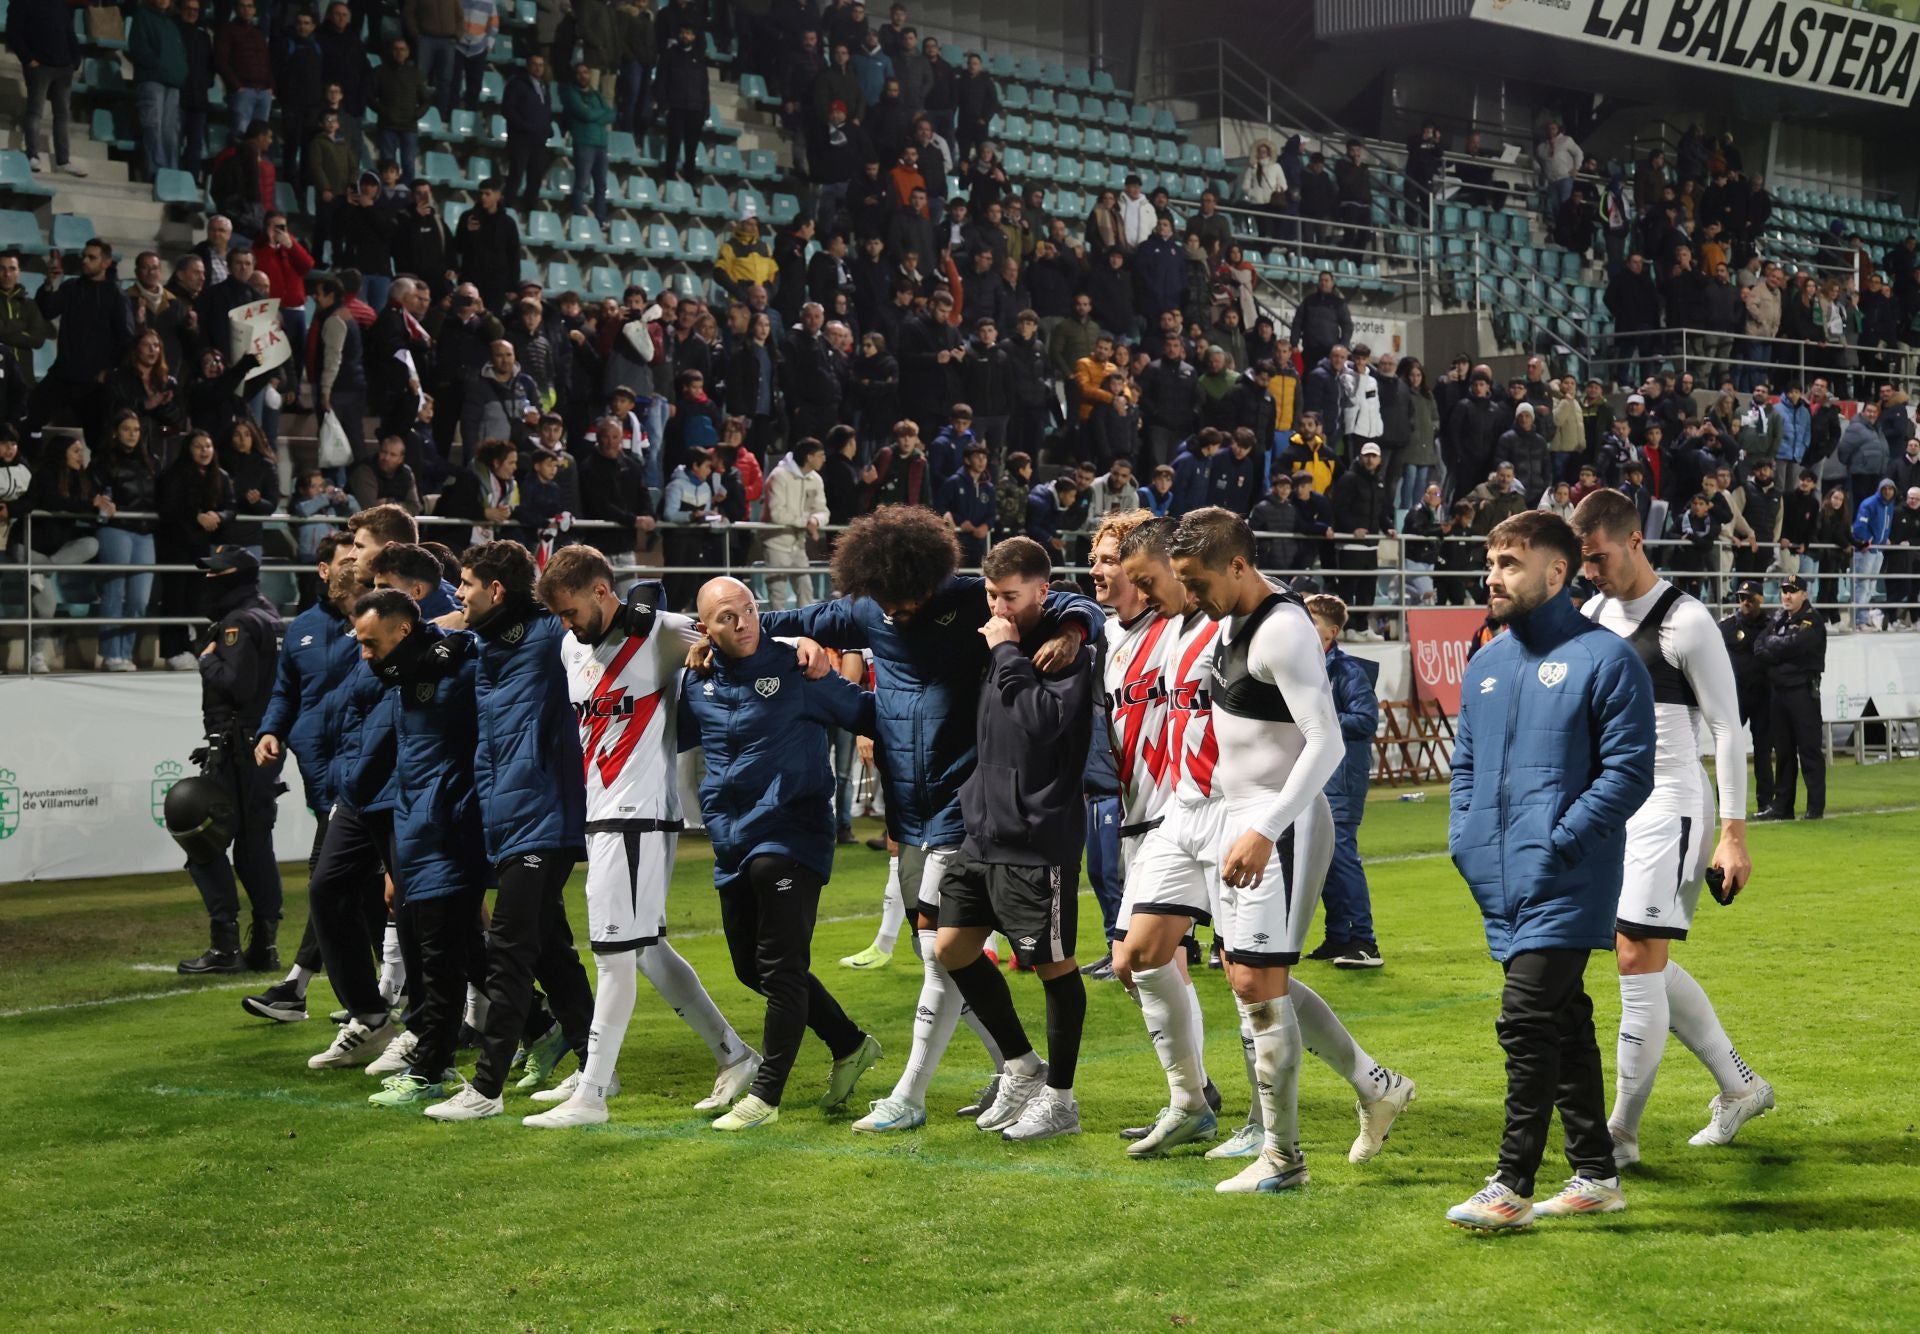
<point>1038,907</point>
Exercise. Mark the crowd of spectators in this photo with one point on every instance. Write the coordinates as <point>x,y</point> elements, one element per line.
<point>925,334</point>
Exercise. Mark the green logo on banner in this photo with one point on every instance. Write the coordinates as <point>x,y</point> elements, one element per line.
<point>9,804</point>
<point>165,775</point>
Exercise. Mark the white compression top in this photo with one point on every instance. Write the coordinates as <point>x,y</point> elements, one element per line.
<point>1690,640</point>
<point>1286,763</point>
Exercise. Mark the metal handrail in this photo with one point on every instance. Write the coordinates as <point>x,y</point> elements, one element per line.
<point>1802,368</point>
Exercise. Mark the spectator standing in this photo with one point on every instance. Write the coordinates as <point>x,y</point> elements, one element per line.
<point>399,97</point>
<point>40,33</point>
<point>486,245</point>
<point>159,57</point>
<point>479,24</point>
<point>638,51</point>
<point>124,477</point>
<point>1321,321</point>
<point>197,43</point>
<point>682,78</point>
<point>527,107</point>
<point>96,328</point>
<point>1361,515</point>
<point>588,117</point>
<point>339,373</point>
<point>976,102</point>
<point>240,57</point>
<point>301,88</point>
<point>1354,181</point>
<point>1558,160</point>
<point>23,329</point>
<point>797,500</point>
<point>433,26</point>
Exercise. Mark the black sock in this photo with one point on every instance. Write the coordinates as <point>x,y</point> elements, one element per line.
<point>1066,1017</point>
<point>984,987</point>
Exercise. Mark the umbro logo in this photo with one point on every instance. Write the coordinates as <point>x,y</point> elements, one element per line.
<point>1260,937</point>
<point>782,885</point>
<point>1028,942</point>
<point>531,860</point>
<point>925,1012</point>
<point>1653,912</point>
<point>305,640</point>
<point>1487,685</point>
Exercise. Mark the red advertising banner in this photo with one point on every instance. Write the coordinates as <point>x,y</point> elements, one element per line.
<point>1440,639</point>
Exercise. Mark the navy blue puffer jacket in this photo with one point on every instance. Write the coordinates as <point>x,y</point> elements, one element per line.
<point>1554,751</point>
<point>532,780</point>
<point>315,657</point>
<point>768,786</point>
<point>361,714</point>
<point>928,670</point>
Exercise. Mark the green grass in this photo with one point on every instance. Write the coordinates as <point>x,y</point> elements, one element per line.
<point>171,1163</point>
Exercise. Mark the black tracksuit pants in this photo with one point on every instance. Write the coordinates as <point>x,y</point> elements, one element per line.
<point>1546,1028</point>
<point>767,912</point>
<point>347,906</point>
<point>529,937</point>
<point>1794,720</point>
<point>254,792</point>
<point>1756,712</point>
<point>435,937</point>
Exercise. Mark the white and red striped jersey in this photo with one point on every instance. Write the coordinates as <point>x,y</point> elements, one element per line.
<point>1136,704</point>
<point>626,694</point>
<point>1187,677</point>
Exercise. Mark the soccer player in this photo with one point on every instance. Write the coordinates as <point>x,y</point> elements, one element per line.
<point>766,795</point>
<point>316,655</point>
<point>1553,754</point>
<point>1271,833</point>
<point>1018,869</point>
<point>902,603</point>
<point>1682,649</point>
<point>622,665</point>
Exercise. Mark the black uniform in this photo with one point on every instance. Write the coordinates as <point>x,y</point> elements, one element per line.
<point>237,660</point>
<point>1794,649</point>
<point>1750,679</point>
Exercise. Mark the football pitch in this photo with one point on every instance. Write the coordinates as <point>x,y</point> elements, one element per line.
<point>171,1163</point>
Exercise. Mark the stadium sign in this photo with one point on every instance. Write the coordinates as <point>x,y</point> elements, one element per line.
<point>1812,45</point>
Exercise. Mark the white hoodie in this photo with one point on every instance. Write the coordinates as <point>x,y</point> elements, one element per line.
<point>795,498</point>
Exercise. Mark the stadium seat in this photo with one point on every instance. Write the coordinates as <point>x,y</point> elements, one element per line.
<point>676,196</point>
<point>1190,157</point>
<point>1045,167</point>
<point>439,168</point>
<point>718,124</point>
<point>1077,80</point>
<point>727,161</point>
<point>1014,97</point>
<point>1043,102</point>
<point>543,228</point>
<point>659,242</point>
<point>700,246</point>
<point>1215,160</point>
<point>622,149</point>
<point>623,237</point>
<point>1068,138</point>
<point>465,127</point>
<point>1053,75</point>
<point>583,233</point>
<point>1101,82</point>
<point>170,186</point>
<point>785,209</point>
<point>1164,123</point>
<point>564,276</point>
<point>21,231</point>
<point>761,165</point>
<point>754,88</point>
<point>605,281</point>
<point>1067,106</point>
<point>1095,141</point>
<point>714,202</point>
<point>559,186</point>
<point>1044,134</point>
<point>1092,109</point>
<point>530,272</point>
<point>999,66</point>
<point>1166,153</point>
<point>493,87</point>
<point>1016,160</point>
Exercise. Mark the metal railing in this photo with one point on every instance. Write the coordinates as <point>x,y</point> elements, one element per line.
<point>1703,351</point>
<point>1384,593</point>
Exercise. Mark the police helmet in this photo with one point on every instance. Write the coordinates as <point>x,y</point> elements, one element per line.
<point>201,817</point>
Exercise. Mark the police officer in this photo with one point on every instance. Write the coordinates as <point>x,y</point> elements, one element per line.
<point>237,665</point>
<point>1742,630</point>
<point>1794,649</point>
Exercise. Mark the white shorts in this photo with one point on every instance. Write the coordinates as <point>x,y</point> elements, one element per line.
<point>1176,869</point>
<point>1667,852</point>
<point>1266,925</point>
<point>628,871</point>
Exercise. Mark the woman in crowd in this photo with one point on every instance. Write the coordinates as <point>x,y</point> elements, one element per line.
<point>214,402</point>
<point>1422,454</point>
<point>1833,534</point>
<point>197,507</point>
<point>63,487</point>
<point>124,478</point>
<point>142,384</point>
<point>250,463</point>
<point>753,385</point>
<point>875,393</point>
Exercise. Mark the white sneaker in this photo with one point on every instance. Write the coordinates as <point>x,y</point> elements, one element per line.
<point>1267,1174</point>
<point>1728,1114</point>
<point>354,1044</point>
<point>398,1055</point>
<point>37,664</point>
<point>1377,1117</point>
<point>1626,1148</point>
<point>182,662</point>
<point>37,162</point>
<point>1495,1207</point>
<point>117,665</point>
<point>1583,1195</point>
<point>566,1088</point>
<point>73,168</point>
<point>469,1104</point>
<point>1242,1143</point>
<point>731,1083</point>
<point>1049,1113</point>
<point>1016,1091</point>
<point>582,1109</point>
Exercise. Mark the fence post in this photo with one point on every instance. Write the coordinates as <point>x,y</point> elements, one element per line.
<point>30,626</point>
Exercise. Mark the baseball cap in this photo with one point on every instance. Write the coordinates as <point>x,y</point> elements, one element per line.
<point>1747,588</point>
<point>1370,448</point>
<point>1793,584</point>
<point>229,558</point>
<point>1637,398</point>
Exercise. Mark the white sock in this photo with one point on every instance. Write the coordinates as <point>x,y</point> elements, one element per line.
<point>1276,1061</point>
<point>1169,1013</point>
<point>393,966</point>
<point>1255,1117</point>
<point>893,911</point>
<point>679,986</point>
<point>477,1007</point>
<point>1199,1028</point>
<point>1643,1040</point>
<point>1028,1063</point>
<point>1695,1024</point>
<point>1326,1037</point>
<point>299,977</point>
<point>980,1031</point>
<point>934,1018</point>
<point>613,998</point>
